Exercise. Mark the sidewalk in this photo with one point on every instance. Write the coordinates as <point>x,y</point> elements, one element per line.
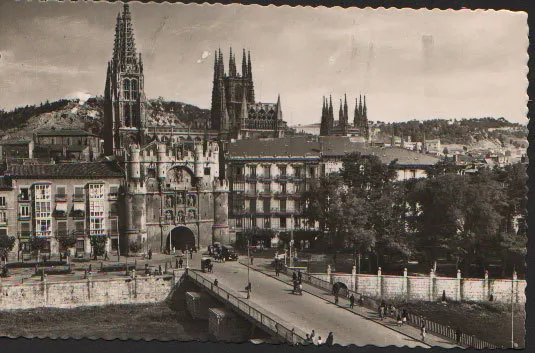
<point>407,330</point>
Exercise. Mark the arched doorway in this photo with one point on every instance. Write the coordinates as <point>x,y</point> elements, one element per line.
<point>341,289</point>
<point>181,238</point>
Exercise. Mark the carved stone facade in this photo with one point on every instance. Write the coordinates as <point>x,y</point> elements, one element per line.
<point>174,197</point>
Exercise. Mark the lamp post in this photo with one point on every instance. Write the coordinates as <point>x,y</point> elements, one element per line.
<point>248,270</point>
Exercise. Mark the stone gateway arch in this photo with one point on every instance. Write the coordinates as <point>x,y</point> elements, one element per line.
<point>181,238</point>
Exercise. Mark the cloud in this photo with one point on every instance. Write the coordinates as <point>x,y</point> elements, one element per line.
<point>205,54</point>
<point>81,96</point>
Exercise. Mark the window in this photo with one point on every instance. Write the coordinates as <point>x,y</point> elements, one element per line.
<point>267,171</point>
<point>78,192</point>
<point>238,170</point>
<point>312,172</point>
<point>62,228</point>
<point>3,217</point>
<point>114,226</point>
<point>43,210</point>
<point>3,201</point>
<point>282,222</point>
<point>80,245</point>
<point>282,171</point>
<point>252,205</point>
<point>60,192</point>
<point>43,225</point>
<point>266,188</point>
<point>207,171</point>
<point>96,191</point>
<point>126,89</point>
<point>42,192</point>
<point>297,171</point>
<point>24,194</point>
<point>283,205</point>
<point>46,247</point>
<point>239,222</point>
<point>114,192</point>
<point>297,188</point>
<point>267,223</point>
<point>283,188</point>
<point>79,226</point>
<point>25,229</point>
<point>253,171</point>
<point>267,205</point>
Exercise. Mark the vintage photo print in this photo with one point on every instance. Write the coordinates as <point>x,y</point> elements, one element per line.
<point>280,175</point>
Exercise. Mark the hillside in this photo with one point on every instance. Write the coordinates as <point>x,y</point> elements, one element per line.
<point>88,116</point>
<point>479,133</point>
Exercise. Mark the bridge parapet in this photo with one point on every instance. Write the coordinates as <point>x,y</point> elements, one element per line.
<point>262,319</point>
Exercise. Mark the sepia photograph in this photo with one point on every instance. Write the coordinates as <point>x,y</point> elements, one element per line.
<point>301,176</point>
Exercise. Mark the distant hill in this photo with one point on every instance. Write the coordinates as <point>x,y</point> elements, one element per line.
<point>88,116</point>
<point>465,131</point>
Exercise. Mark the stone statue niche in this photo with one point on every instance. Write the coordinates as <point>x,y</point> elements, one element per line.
<point>180,178</point>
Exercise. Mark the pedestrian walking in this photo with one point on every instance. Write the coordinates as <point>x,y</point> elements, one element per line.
<point>423,332</point>
<point>351,301</point>
<point>160,270</point>
<point>312,336</point>
<point>336,299</point>
<point>330,340</point>
<point>277,271</point>
<point>150,254</point>
<point>307,338</point>
<point>215,282</point>
<point>404,316</point>
<point>458,335</point>
<point>252,258</point>
<point>180,262</point>
<point>294,277</point>
<point>299,276</point>
<point>320,341</point>
<point>176,263</point>
<point>380,311</point>
<point>399,320</point>
<point>191,254</point>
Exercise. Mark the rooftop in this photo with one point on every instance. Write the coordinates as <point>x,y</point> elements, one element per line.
<point>93,170</point>
<point>328,146</point>
<point>63,132</point>
<point>15,142</point>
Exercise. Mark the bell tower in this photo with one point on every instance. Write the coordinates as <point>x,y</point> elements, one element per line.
<point>124,97</point>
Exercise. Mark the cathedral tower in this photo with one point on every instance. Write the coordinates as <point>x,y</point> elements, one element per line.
<point>124,97</point>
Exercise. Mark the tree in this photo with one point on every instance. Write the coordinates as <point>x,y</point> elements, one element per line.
<point>37,244</point>
<point>6,245</point>
<point>66,241</point>
<point>98,245</point>
<point>367,172</point>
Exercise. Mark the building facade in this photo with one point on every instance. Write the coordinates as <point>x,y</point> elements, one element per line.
<point>50,201</point>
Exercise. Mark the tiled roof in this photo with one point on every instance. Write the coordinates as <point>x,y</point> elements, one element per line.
<point>66,170</point>
<point>63,132</point>
<point>331,146</point>
<point>277,147</point>
<point>15,142</point>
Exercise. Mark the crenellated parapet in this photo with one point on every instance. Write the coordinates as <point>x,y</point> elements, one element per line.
<point>221,185</point>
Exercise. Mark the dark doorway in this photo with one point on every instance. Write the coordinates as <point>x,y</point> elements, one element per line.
<point>181,238</point>
<point>341,289</point>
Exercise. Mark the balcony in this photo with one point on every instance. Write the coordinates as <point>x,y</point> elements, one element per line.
<point>78,214</point>
<point>23,198</point>
<point>79,232</point>
<point>282,194</point>
<point>265,193</point>
<point>24,217</point>
<point>78,197</point>
<point>240,177</point>
<point>43,233</point>
<point>251,178</point>
<point>283,178</point>
<point>61,198</point>
<point>24,234</point>
<point>3,222</point>
<point>3,207</point>
<point>64,233</point>
<point>60,214</point>
<point>112,196</point>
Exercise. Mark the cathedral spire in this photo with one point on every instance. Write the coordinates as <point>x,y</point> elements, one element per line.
<point>346,114</point>
<point>323,124</point>
<point>279,108</point>
<point>341,114</point>
<point>231,64</point>
<point>244,65</point>
<point>330,118</point>
<point>249,80</point>
<point>125,47</point>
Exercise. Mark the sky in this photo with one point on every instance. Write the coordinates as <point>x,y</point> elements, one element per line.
<point>410,64</point>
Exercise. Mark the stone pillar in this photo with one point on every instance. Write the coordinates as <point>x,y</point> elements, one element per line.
<point>380,282</point>
<point>405,288</point>
<point>432,287</point>
<point>329,274</point>
<point>354,277</point>
<point>224,325</point>
<point>514,295</point>
<point>459,284</point>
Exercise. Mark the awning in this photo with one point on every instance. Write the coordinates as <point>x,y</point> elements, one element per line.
<point>79,206</point>
<point>61,207</point>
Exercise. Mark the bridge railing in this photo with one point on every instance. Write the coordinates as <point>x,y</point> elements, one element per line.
<point>263,319</point>
<point>414,320</point>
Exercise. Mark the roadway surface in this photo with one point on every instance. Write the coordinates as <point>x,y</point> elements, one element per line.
<point>307,312</point>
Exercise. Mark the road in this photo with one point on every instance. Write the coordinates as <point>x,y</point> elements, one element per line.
<point>308,312</point>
